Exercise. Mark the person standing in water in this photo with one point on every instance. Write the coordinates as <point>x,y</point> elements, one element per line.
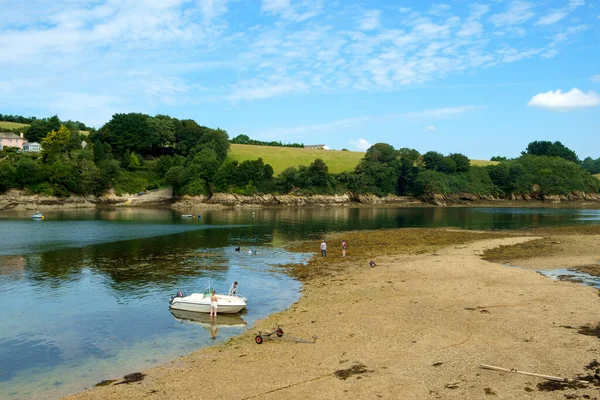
<point>213,304</point>
<point>344,245</point>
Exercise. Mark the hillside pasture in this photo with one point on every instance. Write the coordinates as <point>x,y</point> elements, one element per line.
<point>281,158</point>
<point>483,163</point>
<point>597,176</point>
<point>11,125</point>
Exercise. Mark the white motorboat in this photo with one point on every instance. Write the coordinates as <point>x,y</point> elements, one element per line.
<point>38,215</point>
<point>200,302</point>
<point>204,320</point>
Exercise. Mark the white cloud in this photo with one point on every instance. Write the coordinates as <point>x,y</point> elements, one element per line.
<point>469,29</point>
<point>303,130</point>
<point>559,101</point>
<point>370,20</point>
<point>518,13</point>
<point>557,15</point>
<point>298,12</point>
<point>360,144</point>
<point>439,112</point>
<point>430,128</point>
<point>596,78</point>
<point>553,17</point>
<point>257,91</point>
<point>570,32</point>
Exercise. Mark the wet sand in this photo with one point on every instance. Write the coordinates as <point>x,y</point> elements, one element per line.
<point>417,326</point>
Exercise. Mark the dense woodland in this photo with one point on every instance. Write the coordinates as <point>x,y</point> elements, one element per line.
<point>136,152</point>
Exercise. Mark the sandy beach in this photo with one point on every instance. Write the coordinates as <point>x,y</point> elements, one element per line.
<point>416,326</point>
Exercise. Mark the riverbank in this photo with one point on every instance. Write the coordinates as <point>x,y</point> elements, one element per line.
<point>16,200</point>
<point>416,326</point>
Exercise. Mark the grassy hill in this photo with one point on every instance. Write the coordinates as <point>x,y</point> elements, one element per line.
<point>281,158</point>
<point>597,176</point>
<point>11,125</point>
<point>483,163</point>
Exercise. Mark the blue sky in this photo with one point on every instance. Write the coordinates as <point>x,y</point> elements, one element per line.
<point>482,79</point>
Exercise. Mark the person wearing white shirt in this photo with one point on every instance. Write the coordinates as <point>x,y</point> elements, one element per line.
<point>233,289</point>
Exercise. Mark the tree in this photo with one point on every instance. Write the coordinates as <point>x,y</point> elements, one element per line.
<point>37,130</point>
<point>130,132</point>
<point>164,128</point>
<point>381,153</point>
<point>240,139</point>
<point>433,160</point>
<point>547,148</point>
<point>134,162</point>
<point>318,174</point>
<point>55,144</point>
<point>8,175</point>
<point>99,154</point>
<point>27,171</point>
<point>462,162</point>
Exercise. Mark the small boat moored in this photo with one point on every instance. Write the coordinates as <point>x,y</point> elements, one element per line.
<point>38,215</point>
<point>200,302</point>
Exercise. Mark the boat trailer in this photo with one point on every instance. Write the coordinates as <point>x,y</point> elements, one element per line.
<point>278,334</point>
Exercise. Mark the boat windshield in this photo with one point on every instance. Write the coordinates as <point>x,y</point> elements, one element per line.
<point>208,291</point>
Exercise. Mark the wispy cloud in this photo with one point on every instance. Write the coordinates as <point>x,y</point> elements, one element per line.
<point>559,14</point>
<point>298,12</point>
<point>596,78</point>
<point>439,112</point>
<point>430,128</point>
<point>518,13</point>
<point>174,52</point>
<point>256,90</point>
<point>369,20</point>
<point>559,101</point>
<point>321,129</point>
<point>360,144</point>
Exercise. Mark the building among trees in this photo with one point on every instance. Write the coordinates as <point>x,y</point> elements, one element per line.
<point>9,139</point>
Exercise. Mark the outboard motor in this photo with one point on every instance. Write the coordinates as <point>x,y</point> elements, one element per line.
<point>180,293</point>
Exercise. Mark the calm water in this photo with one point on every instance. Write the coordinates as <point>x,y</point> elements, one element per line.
<point>84,294</point>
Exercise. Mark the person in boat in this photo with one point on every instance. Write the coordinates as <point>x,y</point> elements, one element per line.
<point>344,245</point>
<point>233,289</point>
<point>213,304</point>
<point>323,249</point>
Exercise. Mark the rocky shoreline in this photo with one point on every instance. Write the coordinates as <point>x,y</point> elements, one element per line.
<point>17,200</point>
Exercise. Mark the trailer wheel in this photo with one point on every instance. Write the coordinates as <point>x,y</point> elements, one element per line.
<point>258,339</point>
<point>279,332</point>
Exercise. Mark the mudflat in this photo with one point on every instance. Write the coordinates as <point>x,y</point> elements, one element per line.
<point>416,326</point>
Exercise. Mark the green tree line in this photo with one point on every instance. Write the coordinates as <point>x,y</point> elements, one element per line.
<point>244,139</point>
<point>136,152</point>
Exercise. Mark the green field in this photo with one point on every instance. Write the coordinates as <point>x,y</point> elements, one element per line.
<point>483,163</point>
<point>597,176</point>
<point>281,158</point>
<point>11,125</point>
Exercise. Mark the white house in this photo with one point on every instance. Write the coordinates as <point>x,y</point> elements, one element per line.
<point>316,146</point>
<point>32,147</point>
